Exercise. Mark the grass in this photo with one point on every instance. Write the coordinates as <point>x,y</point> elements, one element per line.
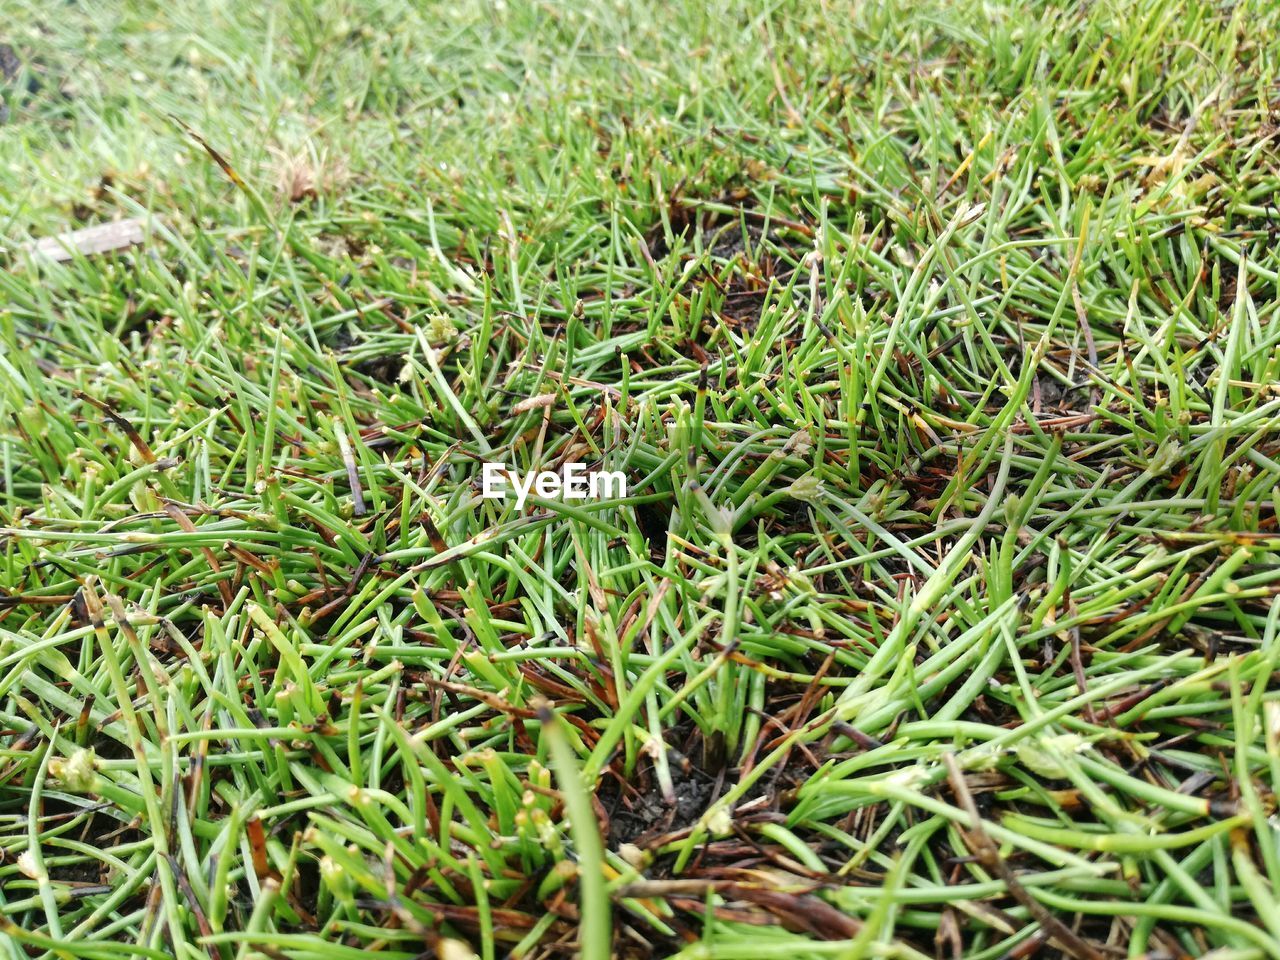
<point>938,345</point>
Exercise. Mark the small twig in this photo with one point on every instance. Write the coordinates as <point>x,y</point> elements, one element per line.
<point>988,855</point>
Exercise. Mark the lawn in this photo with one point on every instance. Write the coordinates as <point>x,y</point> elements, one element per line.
<point>936,343</point>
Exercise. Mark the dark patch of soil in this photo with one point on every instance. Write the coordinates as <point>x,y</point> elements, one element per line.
<point>653,520</point>
<point>646,815</point>
<point>10,69</point>
<point>384,369</point>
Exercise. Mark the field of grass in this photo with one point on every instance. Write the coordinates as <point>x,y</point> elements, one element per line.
<point>938,345</point>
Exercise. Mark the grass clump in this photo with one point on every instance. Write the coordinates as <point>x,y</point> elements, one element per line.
<point>937,346</point>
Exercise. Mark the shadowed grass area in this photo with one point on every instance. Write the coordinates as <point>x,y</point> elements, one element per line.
<point>937,345</point>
